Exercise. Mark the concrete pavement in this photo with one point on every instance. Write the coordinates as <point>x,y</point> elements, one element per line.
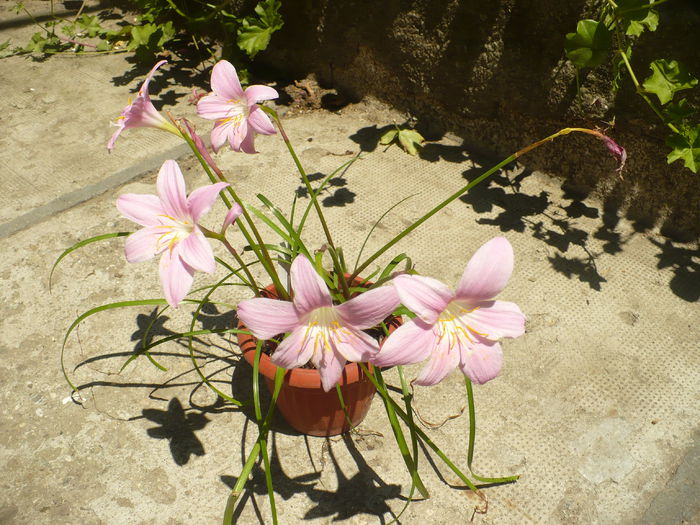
<point>596,408</point>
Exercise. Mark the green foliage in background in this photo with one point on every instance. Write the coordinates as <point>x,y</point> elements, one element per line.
<point>161,27</point>
<point>614,34</point>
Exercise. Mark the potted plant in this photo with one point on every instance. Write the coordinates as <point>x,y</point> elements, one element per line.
<point>315,317</point>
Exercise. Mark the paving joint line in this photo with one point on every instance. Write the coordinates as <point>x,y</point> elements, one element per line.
<point>86,193</point>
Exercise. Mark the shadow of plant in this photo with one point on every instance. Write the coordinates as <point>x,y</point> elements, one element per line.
<point>335,191</point>
<point>178,427</point>
<point>363,493</point>
<point>686,268</point>
<point>553,224</point>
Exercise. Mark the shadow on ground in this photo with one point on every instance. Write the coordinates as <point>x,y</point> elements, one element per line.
<point>342,503</point>
<point>553,223</point>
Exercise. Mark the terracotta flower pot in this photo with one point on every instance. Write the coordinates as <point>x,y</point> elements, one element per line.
<point>303,402</point>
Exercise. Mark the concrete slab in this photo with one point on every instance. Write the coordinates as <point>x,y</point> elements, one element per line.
<point>597,406</point>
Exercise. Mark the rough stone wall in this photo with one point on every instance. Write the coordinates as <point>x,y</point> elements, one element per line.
<point>495,73</point>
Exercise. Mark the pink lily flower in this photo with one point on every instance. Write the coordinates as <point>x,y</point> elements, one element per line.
<point>328,335</point>
<point>459,328</point>
<point>170,228</point>
<point>141,113</point>
<point>237,115</point>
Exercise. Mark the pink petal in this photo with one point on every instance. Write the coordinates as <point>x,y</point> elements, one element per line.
<point>219,134</point>
<point>201,200</point>
<point>409,343</point>
<point>143,90</point>
<point>266,318</point>
<point>355,345</point>
<point>443,360</point>
<point>310,291</point>
<point>115,135</point>
<point>260,122</point>
<point>142,245</point>
<point>425,296</point>
<point>330,366</point>
<point>224,81</point>
<point>295,350</point>
<point>171,190</point>
<point>487,272</point>
<point>496,319</point>
<point>238,134</point>
<point>369,308</point>
<point>213,107</point>
<point>482,362</point>
<point>259,93</point>
<point>248,143</point>
<point>142,209</point>
<point>197,253</point>
<point>232,215</point>
<point>176,277</point>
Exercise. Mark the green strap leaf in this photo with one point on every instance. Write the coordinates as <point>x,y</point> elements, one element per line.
<point>84,243</point>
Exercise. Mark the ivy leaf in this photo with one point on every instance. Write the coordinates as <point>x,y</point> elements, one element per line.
<point>388,137</point>
<point>91,25</point>
<point>637,16</point>
<point>686,147</point>
<point>667,77</point>
<point>589,45</point>
<point>255,32</point>
<point>103,45</point>
<point>410,140</point>
<point>141,36</point>
<point>677,112</point>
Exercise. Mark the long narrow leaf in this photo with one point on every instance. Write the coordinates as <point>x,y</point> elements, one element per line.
<point>371,231</point>
<point>84,243</point>
<point>318,190</point>
<point>270,223</point>
<point>398,434</point>
<point>297,245</point>
<point>121,304</point>
<point>195,317</point>
<point>472,439</point>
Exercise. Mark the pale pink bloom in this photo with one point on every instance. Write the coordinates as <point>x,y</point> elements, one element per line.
<point>459,328</point>
<point>231,216</point>
<point>237,115</point>
<point>141,112</point>
<point>170,228</point>
<point>328,335</point>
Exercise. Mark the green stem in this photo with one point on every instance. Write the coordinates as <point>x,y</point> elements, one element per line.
<point>640,92</point>
<point>464,189</point>
<point>422,435</point>
<point>391,410</point>
<point>263,255</point>
<point>427,216</point>
<point>312,195</point>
